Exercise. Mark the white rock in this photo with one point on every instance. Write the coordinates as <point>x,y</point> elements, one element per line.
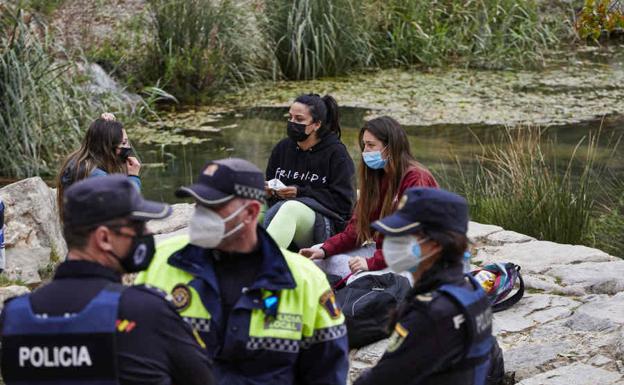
<point>502,237</point>
<point>540,256</point>
<point>24,264</point>
<point>548,284</point>
<point>594,277</point>
<point>31,216</point>
<point>599,315</point>
<point>533,309</point>
<point>178,219</point>
<point>575,374</point>
<point>477,231</point>
<point>525,360</point>
<point>10,292</point>
<point>599,360</point>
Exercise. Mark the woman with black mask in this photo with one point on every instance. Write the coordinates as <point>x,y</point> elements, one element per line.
<point>104,150</point>
<point>310,176</point>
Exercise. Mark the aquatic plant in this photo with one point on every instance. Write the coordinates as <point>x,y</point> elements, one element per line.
<point>519,185</point>
<point>200,46</point>
<point>314,38</point>
<point>598,17</point>
<point>478,33</point>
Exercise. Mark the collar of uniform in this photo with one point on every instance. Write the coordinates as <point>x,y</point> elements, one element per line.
<point>274,272</point>
<point>83,269</point>
<point>438,275</point>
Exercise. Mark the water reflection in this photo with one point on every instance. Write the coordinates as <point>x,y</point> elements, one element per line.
<point>252,134</point>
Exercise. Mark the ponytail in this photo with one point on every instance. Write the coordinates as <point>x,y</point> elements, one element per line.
<point>324,110</point>
<point>333,116</point>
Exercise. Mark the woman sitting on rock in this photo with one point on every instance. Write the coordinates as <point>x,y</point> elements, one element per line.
<point>310,173</point>
<point>104,150</point>
<point>387,170</point>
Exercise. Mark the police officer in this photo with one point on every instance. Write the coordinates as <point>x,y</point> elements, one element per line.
<point>85,327</point>
<point>443,332</point>
<point>266,315</point>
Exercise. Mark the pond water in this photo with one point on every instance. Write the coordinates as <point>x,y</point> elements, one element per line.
<point>252,133</point>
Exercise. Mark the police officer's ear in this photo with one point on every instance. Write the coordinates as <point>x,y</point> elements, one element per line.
<point>102,238</point>
<point>252,211</point>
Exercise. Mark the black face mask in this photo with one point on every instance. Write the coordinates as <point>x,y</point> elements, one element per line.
<point>296,131</point>
<point>139,255</point>
<point>124,153</point>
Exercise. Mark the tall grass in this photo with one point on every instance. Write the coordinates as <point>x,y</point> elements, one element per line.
<point>42,110</point>
<point>315,38</point>
<point>608,226</point>
<point>478,33</point>
<point>520,185</point>
<point>202,46</point>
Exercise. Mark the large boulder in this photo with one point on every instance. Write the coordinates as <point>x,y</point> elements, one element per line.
<point>33,235</point>
<point>178,219</point>
<point>31,216</point>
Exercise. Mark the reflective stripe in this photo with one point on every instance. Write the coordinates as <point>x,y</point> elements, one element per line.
<point>274,344</point>
<point>323,335</point>
<point>199,324</point>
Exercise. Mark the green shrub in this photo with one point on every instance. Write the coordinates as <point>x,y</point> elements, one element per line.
<point>42,111</point>
<point>519,185</point>
<point>315,38</point>
<point>200,47</point>
<point>478,33</point>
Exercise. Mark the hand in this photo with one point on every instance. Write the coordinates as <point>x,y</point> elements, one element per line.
<point>108,116</point>
<point>133,166</point>
<point>267,190</point>
<point>358,264</point>
<point>312,253</point>
<point>287,192</point>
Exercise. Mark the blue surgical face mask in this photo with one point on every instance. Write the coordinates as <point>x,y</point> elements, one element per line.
<point>403,253</point>
<point>374,160</point>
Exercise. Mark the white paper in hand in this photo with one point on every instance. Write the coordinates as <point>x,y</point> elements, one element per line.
<point>276,184</point>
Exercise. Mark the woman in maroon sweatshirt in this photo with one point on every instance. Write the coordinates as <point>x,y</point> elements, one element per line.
<point>387,170</point>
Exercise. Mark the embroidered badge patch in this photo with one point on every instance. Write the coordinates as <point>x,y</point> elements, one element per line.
<point>328,301</point>
<point>181,296</point>
<point>396,338</point>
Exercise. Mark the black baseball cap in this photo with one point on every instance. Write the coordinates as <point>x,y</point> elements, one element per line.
<point>426,207</point>
<point>96,200</point>
<point>222,180</point>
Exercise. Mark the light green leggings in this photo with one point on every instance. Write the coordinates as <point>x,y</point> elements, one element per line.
<point>294,221</point>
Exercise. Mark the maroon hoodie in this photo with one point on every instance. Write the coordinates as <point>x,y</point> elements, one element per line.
<point>347,240</point>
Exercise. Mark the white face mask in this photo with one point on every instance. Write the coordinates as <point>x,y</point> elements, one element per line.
<point>403,253</point>
<point>207,228</point>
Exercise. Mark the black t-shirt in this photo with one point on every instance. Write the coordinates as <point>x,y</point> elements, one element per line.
<point>159,348</point>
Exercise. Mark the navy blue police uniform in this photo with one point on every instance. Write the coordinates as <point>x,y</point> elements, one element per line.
<point>443,333</point>
<point>85,327</point>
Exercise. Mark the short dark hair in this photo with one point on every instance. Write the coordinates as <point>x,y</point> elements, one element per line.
<point>453,244</point>
<point>77,237</point>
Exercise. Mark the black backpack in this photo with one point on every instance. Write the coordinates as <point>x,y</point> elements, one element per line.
<point>367,303</point>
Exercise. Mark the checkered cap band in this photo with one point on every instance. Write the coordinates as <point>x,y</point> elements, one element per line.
<point>324,335</point>
<point>249,192</point>
<point>199,324</point>
<point>273,344</point>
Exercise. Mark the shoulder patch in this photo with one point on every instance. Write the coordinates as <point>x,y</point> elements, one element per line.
<point>396,338</point>
<point>328,302</point>
<point>181,297</point>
